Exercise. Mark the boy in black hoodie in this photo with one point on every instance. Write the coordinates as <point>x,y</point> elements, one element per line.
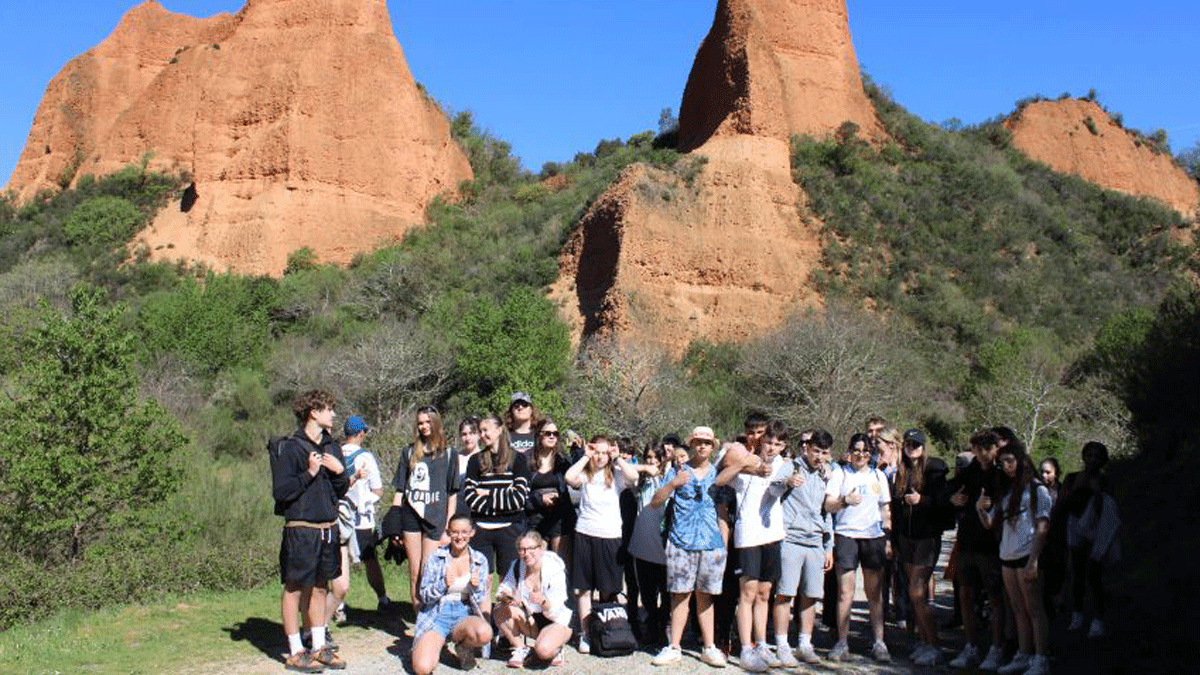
<point>307,479</point>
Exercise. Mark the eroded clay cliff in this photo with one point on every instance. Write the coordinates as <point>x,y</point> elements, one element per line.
<point>775,68</point>
<point>659,262</point>
<point>1079,137</point>
<point>298,120</point>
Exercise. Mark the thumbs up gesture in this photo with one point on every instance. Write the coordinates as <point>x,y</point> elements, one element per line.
<point>913,497</point>
<point>959,498</point>
<point>985,502</point>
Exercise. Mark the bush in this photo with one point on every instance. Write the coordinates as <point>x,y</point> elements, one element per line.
<point>101,221</point>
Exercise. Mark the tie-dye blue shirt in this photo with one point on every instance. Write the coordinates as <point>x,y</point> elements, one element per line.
<point>694,513</point>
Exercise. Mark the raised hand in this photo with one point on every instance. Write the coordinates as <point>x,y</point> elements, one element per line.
<point>912,498</point>
<point>331,463</point>
<point>852,498</point>
<point>985,502</point>
<point>682,477</point>
<point>959,498</point>
<point>795,480</point>
<point>314,463</point>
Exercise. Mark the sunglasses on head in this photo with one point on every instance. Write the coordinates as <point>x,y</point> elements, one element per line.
<point>428,409</point>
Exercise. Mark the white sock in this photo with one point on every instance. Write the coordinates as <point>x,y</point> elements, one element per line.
<point>318,639</point>
<point>806,639</point>
<point>746,649</point>
<point>342,607</point>
<point>295,644</point>
<point>781,641</point>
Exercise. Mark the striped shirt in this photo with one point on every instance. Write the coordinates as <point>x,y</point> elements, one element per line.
<point>496,498</point>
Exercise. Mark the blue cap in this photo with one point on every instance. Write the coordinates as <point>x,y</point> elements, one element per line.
<point>354,426</point>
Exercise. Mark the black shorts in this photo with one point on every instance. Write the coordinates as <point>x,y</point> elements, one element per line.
<point>411,522</point>
<point>980,570</point>
<point>594,564</point>
<point>761,563</point>
<point>366,544</point>
<point>849,553</point>
<point>540,621</point>
<point>498,545</point>
<point>1016,564</point>
<point>309,556</point>
<point>918,552</point>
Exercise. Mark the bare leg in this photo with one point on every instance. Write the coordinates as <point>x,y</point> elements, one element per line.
<point>472,631</point>
<point>920,602</point>
<point>375,577</point>
<point>583,601</point>
<point>1012,588</point>
<point>289,604</point>
<point>1039,624</point>
<point>762,603</point>
<point>845,601</point>
<point>338,587</point>
<point>966,606</point>
<point>704,614</point>
<point>550,640</point>
<point>782,613</point>
<point>679,617</point>
<point>808,614</point>
<point>426,651</point>
<point>745,610</point>
<point>873,585</point>
<point>413,550</point>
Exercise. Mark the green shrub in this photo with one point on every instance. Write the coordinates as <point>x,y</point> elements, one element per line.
<point>102,220</point>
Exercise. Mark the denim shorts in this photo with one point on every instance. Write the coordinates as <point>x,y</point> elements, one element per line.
<point>449,613</point>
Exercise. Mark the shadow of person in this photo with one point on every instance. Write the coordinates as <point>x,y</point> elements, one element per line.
<point>264,634</point>
<point>388,622</point>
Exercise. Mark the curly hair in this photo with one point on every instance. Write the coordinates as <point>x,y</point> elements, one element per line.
<point>310,401</point>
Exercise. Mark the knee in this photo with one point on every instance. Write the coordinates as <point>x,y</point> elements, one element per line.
<point>423,665</point>
<point>480,634</point>
<point>544,650</point>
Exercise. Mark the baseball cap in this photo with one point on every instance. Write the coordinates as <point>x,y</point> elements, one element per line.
<point>355,425</point>
<point>520,396</point>
<point>915,435</point>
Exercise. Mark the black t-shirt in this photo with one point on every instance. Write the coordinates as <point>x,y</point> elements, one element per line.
<point>520,442</point>
<point>429,484</point>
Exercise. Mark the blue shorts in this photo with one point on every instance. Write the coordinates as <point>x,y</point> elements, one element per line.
<point>448,615</point>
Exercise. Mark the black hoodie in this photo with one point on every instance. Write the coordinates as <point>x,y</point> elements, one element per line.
<point>300,496</point>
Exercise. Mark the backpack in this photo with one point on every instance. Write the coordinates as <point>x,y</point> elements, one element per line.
<point>274,450</point>
<point>610,631</point>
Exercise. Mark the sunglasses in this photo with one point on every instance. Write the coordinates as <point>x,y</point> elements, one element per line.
<point>550,434</point>
<point>520,404</point>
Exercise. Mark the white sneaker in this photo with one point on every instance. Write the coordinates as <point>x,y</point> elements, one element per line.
<point>1096,630</point>
<point>840,648</point>
<point>991,662</point>
<point>807,654</point>
<point>1039,665</point>
<point>712,656</point>
<point>928,656</point>
<point>517,659</point>
<point>768,656</point>
<point>1076,621</point>
<point>1019,664</point>
<point>879,652</point>
<point>968,657</point>
<point>666,656</point>
<point>752,661</point>
<point>785,656</point>
<point>584,646</point>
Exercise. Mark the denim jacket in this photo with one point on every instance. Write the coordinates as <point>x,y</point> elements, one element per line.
<point>433,586</point>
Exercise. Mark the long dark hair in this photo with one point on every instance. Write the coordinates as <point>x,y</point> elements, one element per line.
<point>538,448</point>
<point>855,440</point>
<point>911,473</point>
<point>1026,474</point>
<point>501,459</point>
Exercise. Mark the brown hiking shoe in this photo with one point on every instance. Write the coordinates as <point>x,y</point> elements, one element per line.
<point>329,658</point>
<point>304,662</point>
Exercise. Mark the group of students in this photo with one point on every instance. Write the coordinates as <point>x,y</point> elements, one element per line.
<point>758,529</point>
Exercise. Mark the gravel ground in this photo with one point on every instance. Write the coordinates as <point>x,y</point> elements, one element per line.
<point>372,647</point>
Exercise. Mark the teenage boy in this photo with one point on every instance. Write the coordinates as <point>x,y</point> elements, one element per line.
<point>978,552</point>
<point>758,479</point>
<point>308,478</point>
<point>807,551</point>
<point>695,546</point>
<point>366,487</point>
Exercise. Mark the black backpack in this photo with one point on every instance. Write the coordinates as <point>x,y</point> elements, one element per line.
<point>610,632</point>
<point>274,448</point>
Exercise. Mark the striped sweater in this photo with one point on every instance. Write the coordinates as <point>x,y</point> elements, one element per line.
<point>497,498</point>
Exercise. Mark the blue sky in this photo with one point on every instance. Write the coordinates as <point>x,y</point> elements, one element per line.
<point>553,77</point>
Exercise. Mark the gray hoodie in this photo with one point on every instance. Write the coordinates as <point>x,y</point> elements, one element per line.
<point>804,513</point>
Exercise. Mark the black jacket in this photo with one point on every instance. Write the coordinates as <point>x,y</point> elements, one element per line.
<point>926,519</point>
<point>972,536</point>
<point>300,496</point>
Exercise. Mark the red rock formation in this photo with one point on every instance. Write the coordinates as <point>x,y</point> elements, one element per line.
<point>659,262</point>
<point>298,120</point>
<point>775,68</point>
<point>1059,134</point>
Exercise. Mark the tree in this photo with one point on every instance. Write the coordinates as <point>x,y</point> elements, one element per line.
<point>102,220</point>
<point>81,453</point>
<point>517,345</point>
<point>1020,383</point>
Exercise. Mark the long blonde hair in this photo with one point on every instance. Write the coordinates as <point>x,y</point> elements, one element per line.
<point>503,456</point>
<point>437,438</point>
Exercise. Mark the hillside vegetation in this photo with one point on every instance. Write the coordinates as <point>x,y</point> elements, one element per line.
<point>965,285</point>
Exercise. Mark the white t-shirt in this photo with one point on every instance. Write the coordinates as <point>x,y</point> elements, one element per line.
<point>760,513</point>
<point>600,506</point>
<point>360,494</point>
<point>865,519</point>
<point>1016,538</point>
